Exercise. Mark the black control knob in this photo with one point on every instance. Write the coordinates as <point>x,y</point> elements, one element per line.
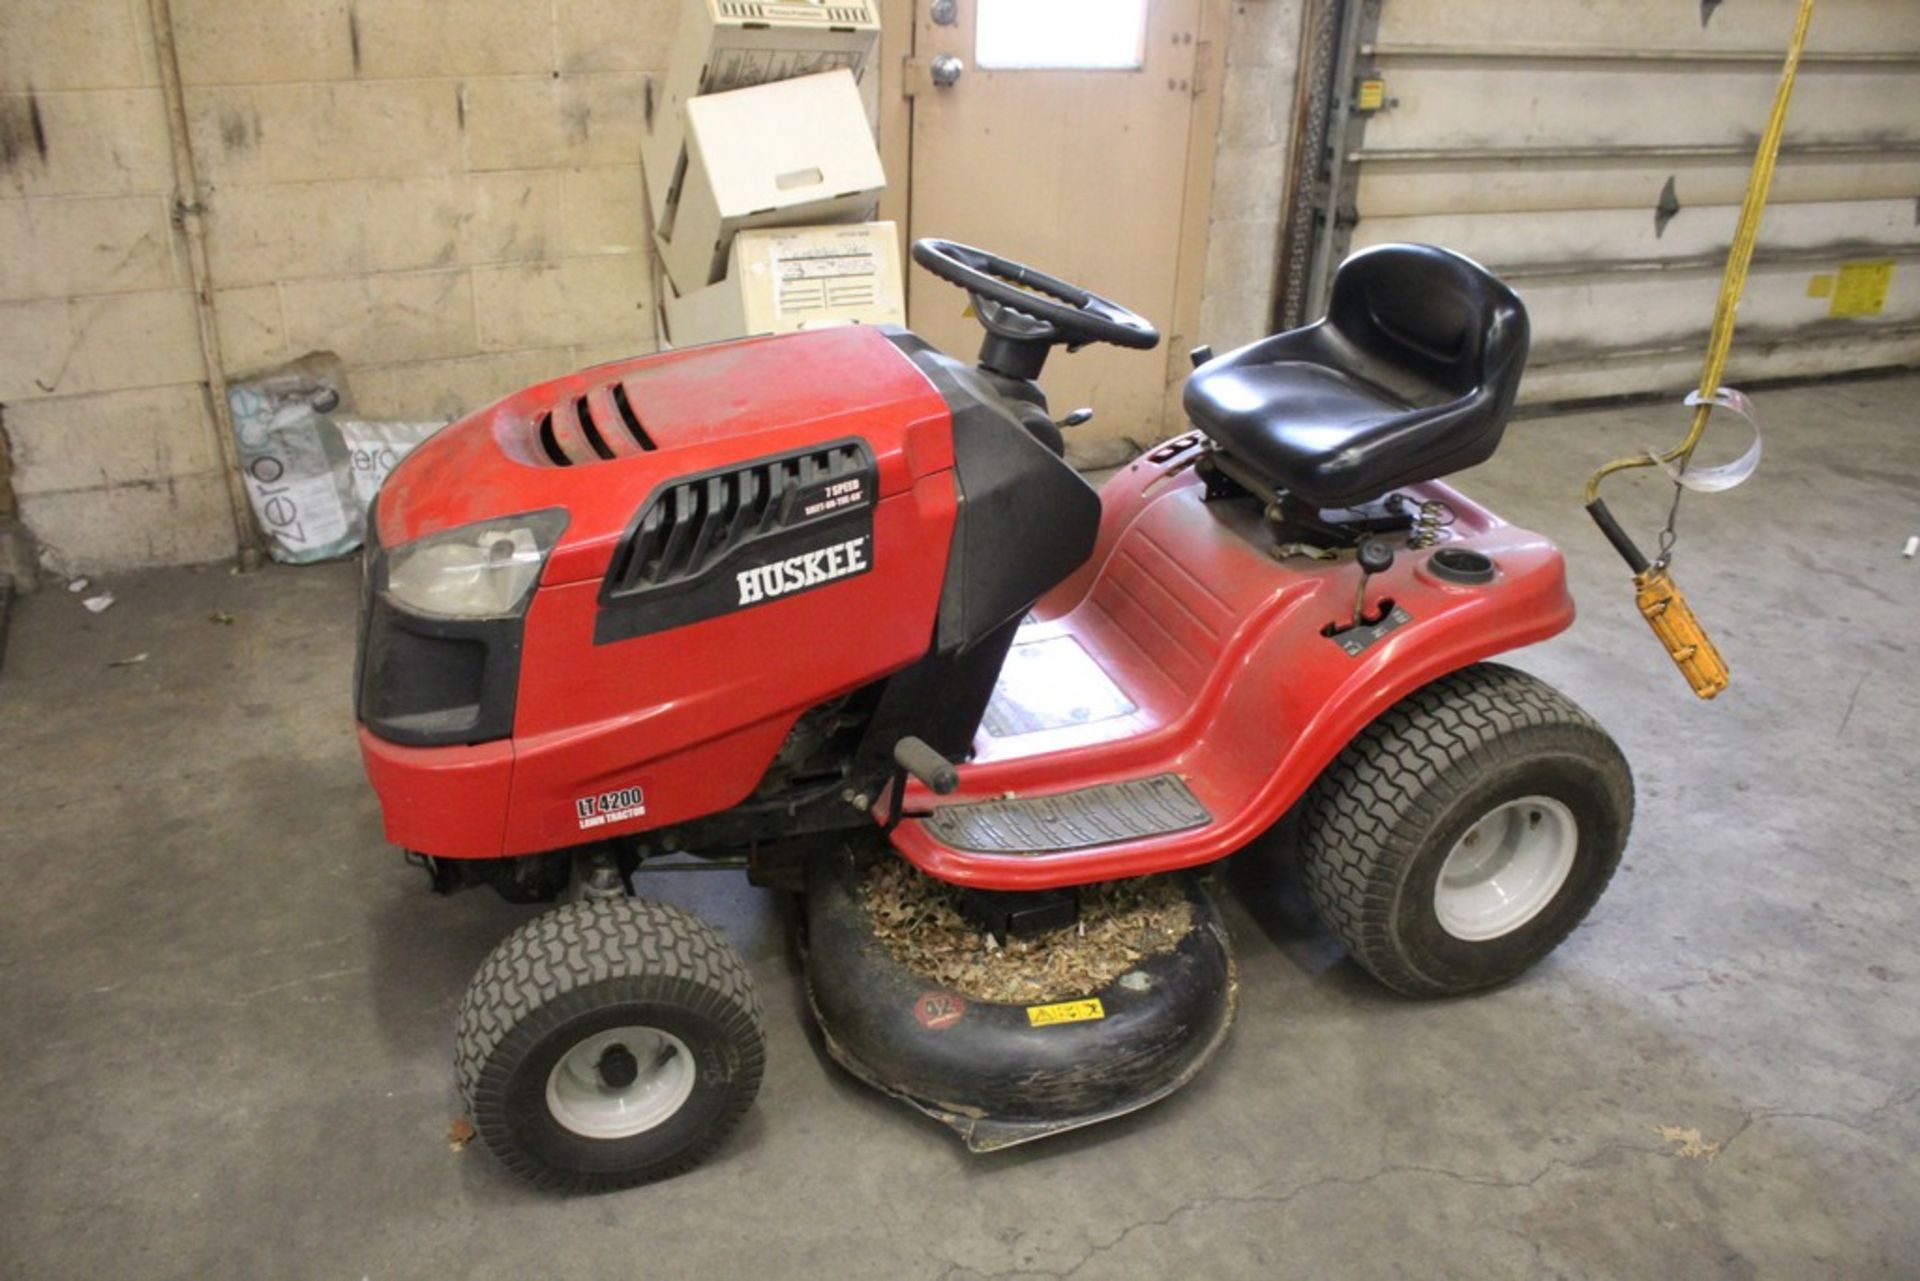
<point>1375,556</point>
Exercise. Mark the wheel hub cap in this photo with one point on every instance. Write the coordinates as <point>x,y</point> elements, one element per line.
<point>620,1082</point>
<point>1506,868</point>
<point>617,1067</point>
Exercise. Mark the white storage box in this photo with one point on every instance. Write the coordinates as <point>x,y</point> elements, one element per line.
<point>786,154</point>
<point>735,44</point>
<point>782,279</point>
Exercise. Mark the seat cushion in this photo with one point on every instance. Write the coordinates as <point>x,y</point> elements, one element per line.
<point>1316,431</point>
<point>1289,412</point>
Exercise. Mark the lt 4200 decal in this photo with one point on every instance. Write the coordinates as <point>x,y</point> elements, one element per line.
<point>610,807</point>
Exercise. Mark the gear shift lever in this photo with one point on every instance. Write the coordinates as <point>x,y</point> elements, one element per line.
<point>1375,556</point>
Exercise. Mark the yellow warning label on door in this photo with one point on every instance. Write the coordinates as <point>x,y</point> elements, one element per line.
<point>1861,289</point>
<point>1373,95</point>
<point>1066,1012</point>
<point>1820,286</point>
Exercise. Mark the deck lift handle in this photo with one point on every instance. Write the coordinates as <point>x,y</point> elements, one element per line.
<point>920,760</point>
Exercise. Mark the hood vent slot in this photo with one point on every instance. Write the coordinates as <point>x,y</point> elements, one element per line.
<point>597,427</point>
<point>693,524</point>
<point>549,445</point>
<point>631,419</point>
<point>590,429</point>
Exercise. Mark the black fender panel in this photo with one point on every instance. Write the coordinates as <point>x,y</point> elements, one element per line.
<point>984,1068</point>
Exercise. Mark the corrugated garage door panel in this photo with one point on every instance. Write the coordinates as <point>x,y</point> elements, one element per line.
<point>1494,185</point>
<point>1849,26</point>
<point>1597,153</point>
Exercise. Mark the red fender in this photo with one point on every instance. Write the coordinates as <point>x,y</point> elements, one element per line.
<point>1237,689</point>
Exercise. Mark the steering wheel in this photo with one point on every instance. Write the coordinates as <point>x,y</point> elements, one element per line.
<point>1021,305</point>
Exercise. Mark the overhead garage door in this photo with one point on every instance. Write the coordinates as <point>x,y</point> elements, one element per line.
<point>1595,154</point>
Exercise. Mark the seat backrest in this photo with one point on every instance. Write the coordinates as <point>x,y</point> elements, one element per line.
<point>1432,314</point>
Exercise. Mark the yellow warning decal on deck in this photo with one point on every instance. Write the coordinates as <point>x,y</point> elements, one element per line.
<point>1066,1012</point>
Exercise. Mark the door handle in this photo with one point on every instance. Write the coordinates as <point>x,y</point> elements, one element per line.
<point>945,70</point>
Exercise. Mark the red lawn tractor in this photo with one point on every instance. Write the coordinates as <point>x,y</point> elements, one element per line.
<point>803,602</point>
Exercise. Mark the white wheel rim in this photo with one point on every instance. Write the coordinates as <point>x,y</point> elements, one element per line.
<point>621,1082</point>
<point>1506,868</point>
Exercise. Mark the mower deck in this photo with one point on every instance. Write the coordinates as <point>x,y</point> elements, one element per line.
<point>1001,1074</point>
<point>1119,682</point>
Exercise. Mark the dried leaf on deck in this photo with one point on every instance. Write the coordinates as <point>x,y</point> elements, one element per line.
<point>1121,924</point>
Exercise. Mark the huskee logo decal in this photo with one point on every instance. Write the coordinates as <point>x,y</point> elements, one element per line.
<point>808,569</point>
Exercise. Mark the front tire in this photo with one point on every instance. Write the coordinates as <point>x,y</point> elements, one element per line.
<point>1463,835</point>
<point>609,1043</point>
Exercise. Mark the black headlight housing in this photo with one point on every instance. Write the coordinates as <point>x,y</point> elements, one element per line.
<point>433,680</point>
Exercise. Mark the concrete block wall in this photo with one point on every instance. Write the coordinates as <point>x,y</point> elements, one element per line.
<point>1249,171</point>
<point>447,194</point>
<point>101,376</point>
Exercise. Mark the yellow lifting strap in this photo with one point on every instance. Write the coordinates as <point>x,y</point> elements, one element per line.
<point>1659,598</point>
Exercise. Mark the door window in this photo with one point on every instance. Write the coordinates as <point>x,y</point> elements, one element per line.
<point>1080,35</point>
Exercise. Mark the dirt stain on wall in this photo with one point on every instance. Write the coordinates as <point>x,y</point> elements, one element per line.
<point>22,130</point>
<point>238,130</point>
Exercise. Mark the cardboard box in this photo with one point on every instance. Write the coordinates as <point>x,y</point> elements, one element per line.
<point>797,152</point>
<point>789,278</point>
<point>722,45</point>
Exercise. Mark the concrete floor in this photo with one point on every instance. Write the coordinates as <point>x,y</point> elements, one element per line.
<point>225,1004</point>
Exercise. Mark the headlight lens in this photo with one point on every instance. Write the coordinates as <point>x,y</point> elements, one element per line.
<point>476,571</point>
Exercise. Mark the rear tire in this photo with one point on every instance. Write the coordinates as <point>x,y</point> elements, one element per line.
<point>608,1043</point>
<point>1465,833</point>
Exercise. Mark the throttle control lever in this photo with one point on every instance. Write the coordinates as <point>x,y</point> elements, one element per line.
<point>1374,557</point>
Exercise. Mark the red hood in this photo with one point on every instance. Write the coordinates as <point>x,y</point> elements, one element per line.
<point>695,410</point>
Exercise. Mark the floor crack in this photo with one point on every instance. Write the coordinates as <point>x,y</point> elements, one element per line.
<point>1332,1180</point>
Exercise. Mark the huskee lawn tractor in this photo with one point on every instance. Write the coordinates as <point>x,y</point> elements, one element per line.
<point>817,603</point>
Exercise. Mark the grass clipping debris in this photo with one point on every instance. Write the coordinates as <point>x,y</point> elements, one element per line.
<point>1121,924</point>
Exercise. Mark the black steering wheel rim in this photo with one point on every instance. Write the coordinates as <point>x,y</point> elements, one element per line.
<point>1059,312</point>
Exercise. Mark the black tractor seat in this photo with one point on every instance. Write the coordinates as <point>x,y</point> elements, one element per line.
<point>1410,377</point>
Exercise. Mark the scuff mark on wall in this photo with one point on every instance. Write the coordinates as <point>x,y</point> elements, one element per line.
<point>39,126</point>
<point>579,117</point>
<point>237,133</point>
<point>9,506</point>
<point>353,35</point>
<point>21,129</point>
<point>19,557</point>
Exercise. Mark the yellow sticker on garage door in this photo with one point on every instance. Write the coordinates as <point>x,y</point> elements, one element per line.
<point>1820,286</point>
<point>1066,1012</point>
<point>1861,289</point>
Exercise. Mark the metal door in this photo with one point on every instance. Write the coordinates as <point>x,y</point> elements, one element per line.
<point>1055,132</point>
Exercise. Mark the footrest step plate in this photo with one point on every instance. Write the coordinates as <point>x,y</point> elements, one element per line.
<point>1106,815</point>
